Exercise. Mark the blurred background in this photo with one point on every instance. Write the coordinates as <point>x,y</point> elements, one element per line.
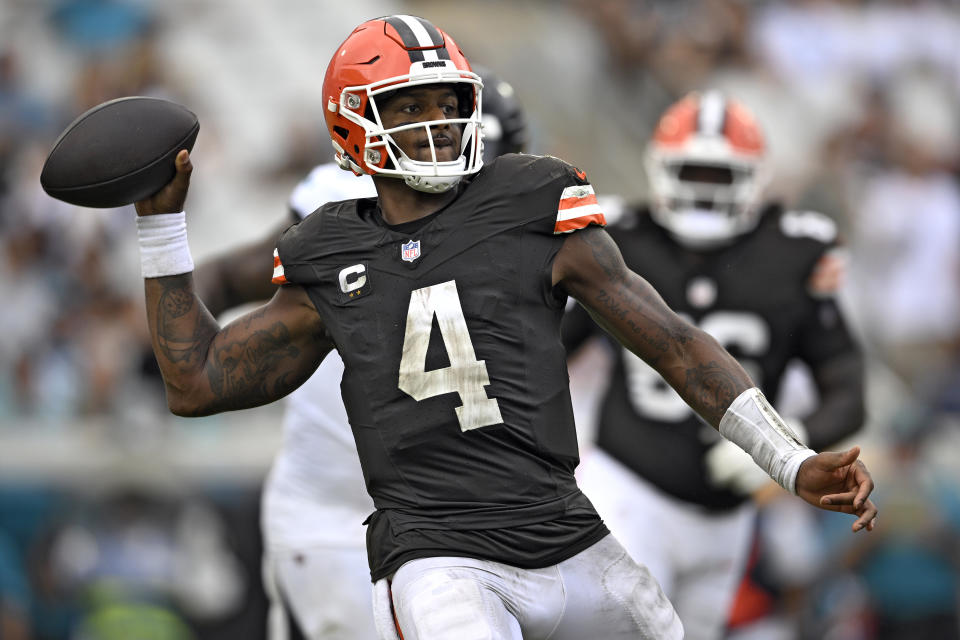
<point>118,520</point>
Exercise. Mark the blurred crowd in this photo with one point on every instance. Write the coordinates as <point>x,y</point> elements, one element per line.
<point>860,100</point>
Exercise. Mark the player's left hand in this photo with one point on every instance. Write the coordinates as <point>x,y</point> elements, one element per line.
<point>838,481</point>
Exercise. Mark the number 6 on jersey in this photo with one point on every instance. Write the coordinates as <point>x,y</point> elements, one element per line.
<point>466,375</point>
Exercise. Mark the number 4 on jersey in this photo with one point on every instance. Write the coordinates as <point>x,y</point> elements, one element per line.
<point>466,375</point>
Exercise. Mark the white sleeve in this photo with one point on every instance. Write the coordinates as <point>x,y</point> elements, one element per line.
<point>328,183</point>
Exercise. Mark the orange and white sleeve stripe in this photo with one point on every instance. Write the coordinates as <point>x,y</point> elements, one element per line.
<point>278,276</point>
<point>578,208</point>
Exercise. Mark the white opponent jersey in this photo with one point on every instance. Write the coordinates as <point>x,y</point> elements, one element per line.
<point>315,493</point>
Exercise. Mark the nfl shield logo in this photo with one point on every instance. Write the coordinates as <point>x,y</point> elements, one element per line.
<point>410,251</point>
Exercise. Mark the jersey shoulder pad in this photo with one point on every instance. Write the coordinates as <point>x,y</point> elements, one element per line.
<point>328,183</point>
<point>810,225</point>
<point>308,241</point>
<point>814,238</point>
<point>564,196</point>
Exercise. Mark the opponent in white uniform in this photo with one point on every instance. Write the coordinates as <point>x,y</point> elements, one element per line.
<point>314,501</point>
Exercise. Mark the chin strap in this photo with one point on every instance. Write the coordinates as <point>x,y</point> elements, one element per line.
<point>431,184</point>
<point>419,178</point>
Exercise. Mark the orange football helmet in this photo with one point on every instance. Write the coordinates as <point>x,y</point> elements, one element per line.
<point>707,170</point>
<point>380,57</point>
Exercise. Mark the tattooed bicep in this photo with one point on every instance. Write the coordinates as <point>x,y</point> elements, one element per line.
<point>252,363</point>
<point>604,251</point>
<point>589,257</point>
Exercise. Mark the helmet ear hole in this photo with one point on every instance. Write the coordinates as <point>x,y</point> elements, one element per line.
<point>342,132</point>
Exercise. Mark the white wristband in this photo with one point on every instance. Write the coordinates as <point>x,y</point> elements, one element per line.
<point>755,426</point>
<point>163,245</point>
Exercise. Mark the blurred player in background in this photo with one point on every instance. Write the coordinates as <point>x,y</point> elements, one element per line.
<point>314,500</point>
<point>762,281</point>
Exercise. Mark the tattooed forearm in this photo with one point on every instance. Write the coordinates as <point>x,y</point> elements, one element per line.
<point>591,269</point>
<point>612,305</point>
<point>636,335</point>
<point>241,369</point>
<point>176,343</point>
<point>631,303</point>
<point>710,388</point>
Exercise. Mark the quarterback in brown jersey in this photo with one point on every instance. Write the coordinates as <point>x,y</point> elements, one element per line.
<point>444,297</point>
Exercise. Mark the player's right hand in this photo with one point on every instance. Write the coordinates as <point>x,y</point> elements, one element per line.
<point>170,199</point>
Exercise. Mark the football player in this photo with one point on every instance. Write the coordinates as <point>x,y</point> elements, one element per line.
<point>443,297</point>
<point>315,560</point>
<point>761,280</point>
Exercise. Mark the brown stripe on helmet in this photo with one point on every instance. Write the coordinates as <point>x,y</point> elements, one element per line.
<point>414,44</point>
<point>436,38</point>
<point>407,37</point>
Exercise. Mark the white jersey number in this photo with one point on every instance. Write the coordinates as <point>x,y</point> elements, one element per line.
<point>653,398</point>
<point>466,375</point>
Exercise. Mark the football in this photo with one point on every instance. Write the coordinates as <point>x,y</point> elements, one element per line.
<point>118,152</point>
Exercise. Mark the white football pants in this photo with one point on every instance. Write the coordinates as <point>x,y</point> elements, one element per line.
<point>599,593</point>
<point>327,590</point>
<point>697,556</point>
